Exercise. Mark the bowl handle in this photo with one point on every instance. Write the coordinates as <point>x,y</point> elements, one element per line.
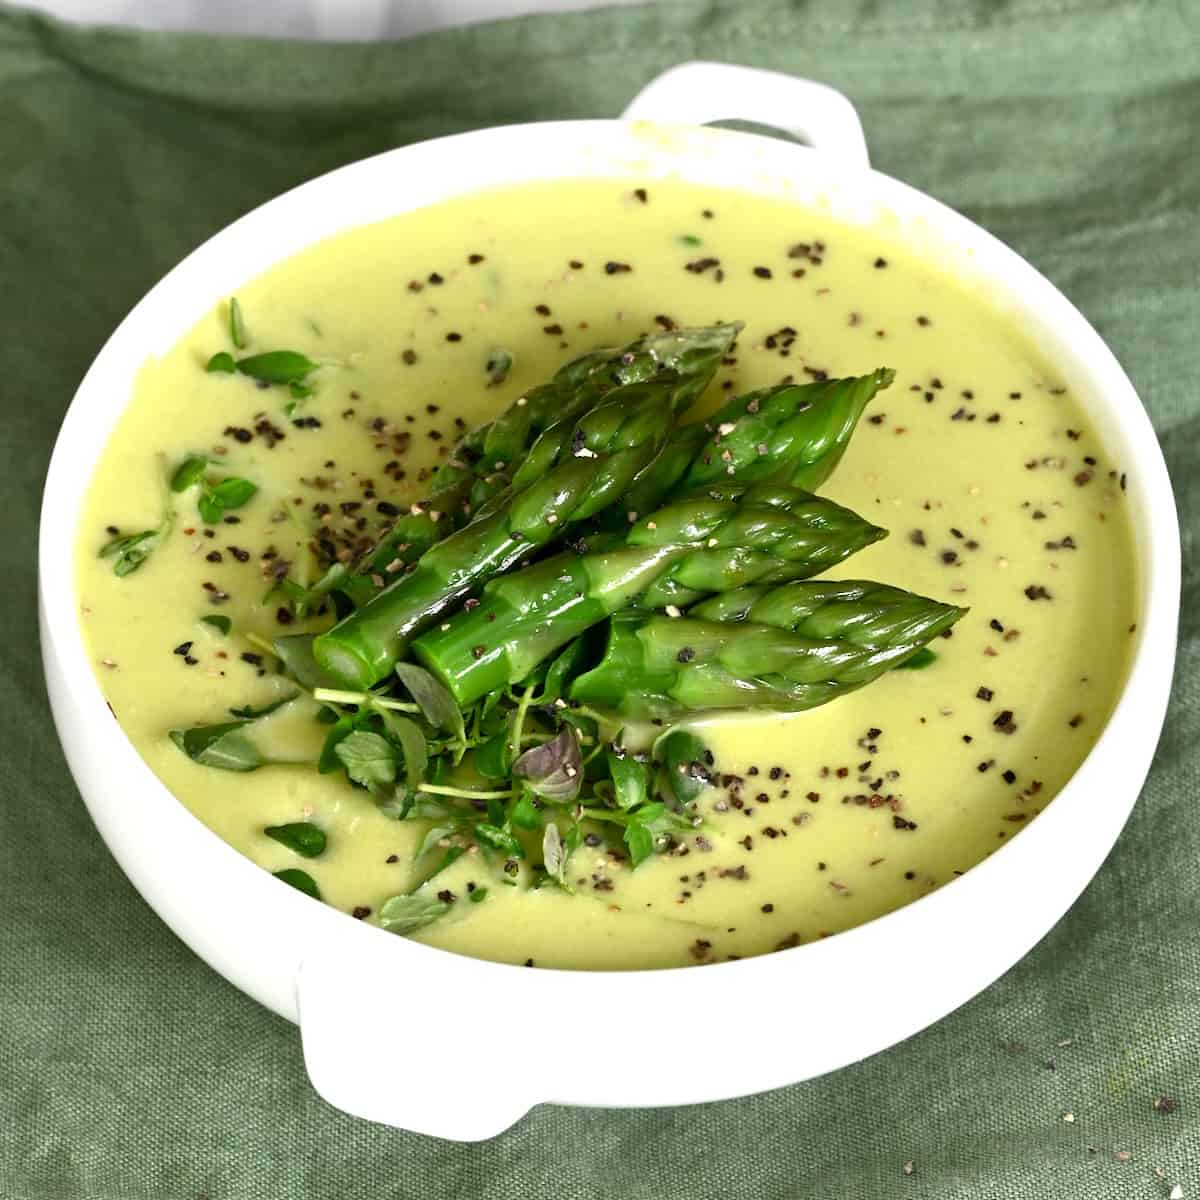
<point>697,93</point>
<point>375,1028</point>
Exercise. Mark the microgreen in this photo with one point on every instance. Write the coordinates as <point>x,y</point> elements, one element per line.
<point>229,744</point>
<point>414,750</point>
<point>434,836</point>
<point>639,841</point>
<point>305,600</point>
<point>555,855</point>
<point>219,622</point>
<point>630,778</point>
<point>302,881</point>
<point>496,838</point>
<point>301,836</point>
<point>237,325</point>
<point>682,754</point>
<point>189,472</point>
<point>217,499</point>
<point>225,746</point>
<point>277,366</point>
<point>491,757</point>
<point>432,698</point>
<point>554,769</point>
<point>128,553</point>
<point>294,651</point>
<point>525,814</point>
<point>409,912</point>
<point>369,759</point>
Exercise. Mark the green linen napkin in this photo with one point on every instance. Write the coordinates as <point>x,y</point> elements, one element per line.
<point>129,1069</point>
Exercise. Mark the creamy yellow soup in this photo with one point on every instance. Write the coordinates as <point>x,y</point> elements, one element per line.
<point>997,494</point>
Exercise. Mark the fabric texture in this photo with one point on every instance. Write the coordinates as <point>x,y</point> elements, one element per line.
<point>128,1069</point>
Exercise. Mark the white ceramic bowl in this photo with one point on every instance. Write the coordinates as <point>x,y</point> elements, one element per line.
<point>333,974</point>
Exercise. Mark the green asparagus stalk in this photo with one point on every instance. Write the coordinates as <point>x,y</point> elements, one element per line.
<point>723,538</point>
<point>790,648</point>
<point>480,463</point>
<point>693,354</point>
<point>572,471</point>
<point>794,433</point>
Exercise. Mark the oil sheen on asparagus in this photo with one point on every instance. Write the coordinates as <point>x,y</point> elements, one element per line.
<point>553,526</point>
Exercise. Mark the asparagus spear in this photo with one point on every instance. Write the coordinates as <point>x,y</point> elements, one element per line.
<point>790,648</point>
<point>720,539</point>
<point>574,469</point>
<point>793,433</point>
<point>476,469</point>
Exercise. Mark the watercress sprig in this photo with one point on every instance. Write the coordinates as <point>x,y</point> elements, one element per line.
<point>216,497</point>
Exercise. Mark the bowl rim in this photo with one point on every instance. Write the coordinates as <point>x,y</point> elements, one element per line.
<point>1140,705</point>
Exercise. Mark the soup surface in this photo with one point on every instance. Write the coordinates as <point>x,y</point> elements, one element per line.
<point>996,492</point>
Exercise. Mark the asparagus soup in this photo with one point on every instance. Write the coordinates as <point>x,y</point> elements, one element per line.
<point>561,710</point>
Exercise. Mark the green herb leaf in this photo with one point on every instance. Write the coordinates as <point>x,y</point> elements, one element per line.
<point>301,836</point>
<point>413,746</point>
<point>295,652</point>
<point>233,492</point>
<point>223,746</point>
<point>308,599</point>
<point>499,363</point>
<point>214,500</point>
<point>919,661</point>
<point>498,839</point>
<point>189,472</point>
<point>222,363</point>
<point>434,835</point>
<point>555,768</point>
<point>649,813</point>
<point>631,783</point>
<point>302,881</point>
<point>211,510</point>
<point>343,727</point>
<point>491,758</point>
<point>369,759</point>
<point>477,895</point>
<point>496,812</point>
<point>237,327</point>
<point>437,705</point>
<point>277,366</point>
<point>690,239</point>
<point>218,622</point>
<point>130,552</point>
<point>408,913</point>
<point>682,754</point>
<point>525,814</point>
<point>555,854</point>
<point>300,391</point>
<point>639,841</point>
<point>398,805</point>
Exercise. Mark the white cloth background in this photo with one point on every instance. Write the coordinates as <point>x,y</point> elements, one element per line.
<point>333,19</point>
